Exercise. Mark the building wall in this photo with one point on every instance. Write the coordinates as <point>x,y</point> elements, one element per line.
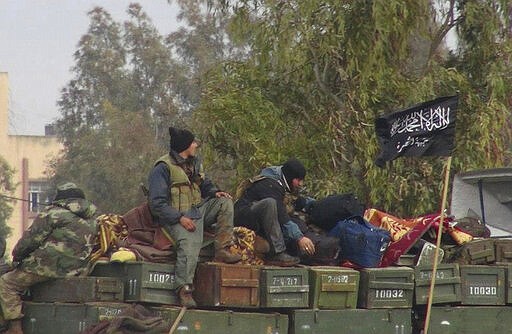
<point>29,156</point>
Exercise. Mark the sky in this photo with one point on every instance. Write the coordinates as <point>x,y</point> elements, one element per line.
<point>37,42</point>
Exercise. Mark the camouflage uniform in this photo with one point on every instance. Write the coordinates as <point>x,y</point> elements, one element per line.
<point>57,244</point>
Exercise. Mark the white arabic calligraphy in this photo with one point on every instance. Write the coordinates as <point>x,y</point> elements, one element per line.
<point>423,120</point>
<point>412,141</point>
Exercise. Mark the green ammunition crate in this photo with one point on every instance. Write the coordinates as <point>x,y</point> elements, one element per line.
<point>79,290</point>
<point>224,322</point>
<point>66,318</point>
<point>284,287</point>
<point>390,287</point>
<point>465,320</point>
<point>351,321</point>
<point>508,280</point>
<point>482,285</point>
<point>143,281</point>
<point>228,285</point>
<point>333,287</point>
<point>503,250</point>
<point>408,260</point>
<point>447,287</point>
<point>479,251</point>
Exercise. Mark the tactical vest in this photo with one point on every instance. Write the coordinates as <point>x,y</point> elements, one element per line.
<point>183,193</point>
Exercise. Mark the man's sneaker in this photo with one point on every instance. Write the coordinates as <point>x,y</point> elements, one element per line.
<point>283,260</point>
<point>185,297</point>
<point>225,255</point>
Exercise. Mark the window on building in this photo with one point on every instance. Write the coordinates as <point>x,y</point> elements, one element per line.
<point>37,195</point>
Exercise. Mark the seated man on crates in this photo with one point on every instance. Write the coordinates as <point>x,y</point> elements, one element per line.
<point>57,244</point>
<point>183,201</point>
<point>262,208</point>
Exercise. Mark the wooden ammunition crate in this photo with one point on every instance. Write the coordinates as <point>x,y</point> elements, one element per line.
<point>482,285</point>
<point>284,287</point>
<point>218,284</point>
<point>447,287</point>
<point>353,321</point>
<point>465,320</point>
<point>143,281</point>
<point>333,287</point>
<point>478,251</point>
<point>503,250</point>
<point>66,318</point>
<point>224,322</point>
<point>79,290</point>
<point>390,287</point>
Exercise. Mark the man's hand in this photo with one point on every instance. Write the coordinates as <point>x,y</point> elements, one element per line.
<point>188,224</point>
<point>306,246</point>
<point>222,194</point>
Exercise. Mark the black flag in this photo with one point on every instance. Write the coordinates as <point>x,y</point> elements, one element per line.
<point>425,129</point>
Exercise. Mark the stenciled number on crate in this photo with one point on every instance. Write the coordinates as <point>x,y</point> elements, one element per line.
<point>389,293</point>
<point>285,280</point>
<point>428,275</point>
<point>107,313</point>
<point>161,277</point>
<point>483,290</point>
<point>336,278</point>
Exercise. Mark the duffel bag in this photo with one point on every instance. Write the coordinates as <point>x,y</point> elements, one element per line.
<point>361,243</point>
<point>326,212</point>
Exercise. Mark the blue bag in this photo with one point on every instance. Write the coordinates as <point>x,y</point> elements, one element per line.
<point>360,242</point>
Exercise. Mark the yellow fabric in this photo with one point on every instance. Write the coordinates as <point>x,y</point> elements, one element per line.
<point>244,246</point>
<point>123,255</point>
<point>111,228</point>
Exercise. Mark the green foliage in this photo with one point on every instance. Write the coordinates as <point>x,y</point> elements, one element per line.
<point>7,188</point>
<point>322,71</point>
<point>116,109</point>
<point>270,79</point>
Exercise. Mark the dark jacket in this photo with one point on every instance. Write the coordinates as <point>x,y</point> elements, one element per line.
<point>272,186</point>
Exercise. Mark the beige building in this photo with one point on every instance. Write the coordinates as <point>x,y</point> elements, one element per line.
<point>28,156</point>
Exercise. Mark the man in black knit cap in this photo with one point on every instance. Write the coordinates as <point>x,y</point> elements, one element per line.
<point>262,209</point>
<point>183,201</point>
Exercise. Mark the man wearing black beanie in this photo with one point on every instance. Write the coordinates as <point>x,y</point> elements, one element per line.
<point>262,208</point>
<point>183,200</point>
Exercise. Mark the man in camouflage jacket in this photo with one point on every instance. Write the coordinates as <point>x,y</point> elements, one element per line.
<point>57,244</point>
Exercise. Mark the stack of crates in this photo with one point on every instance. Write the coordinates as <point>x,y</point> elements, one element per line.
<point>70,305</point>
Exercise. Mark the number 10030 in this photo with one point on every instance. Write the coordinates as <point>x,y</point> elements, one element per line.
<point>483,291</point>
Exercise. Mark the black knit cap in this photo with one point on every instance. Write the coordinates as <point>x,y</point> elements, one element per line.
<point>180,139</point>
<point>293,169</point>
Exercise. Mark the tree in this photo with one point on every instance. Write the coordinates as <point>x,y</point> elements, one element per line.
<point>7,188</point>
<point>322,71</point>
<point>112,110</point>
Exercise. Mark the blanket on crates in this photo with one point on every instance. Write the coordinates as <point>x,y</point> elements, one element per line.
<point>399,227</point>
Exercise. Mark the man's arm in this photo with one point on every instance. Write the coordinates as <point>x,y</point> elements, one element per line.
<point>33,237</point>
<point>159,196</point>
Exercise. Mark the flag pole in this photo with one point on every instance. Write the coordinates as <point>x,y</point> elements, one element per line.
<point>438,243</point>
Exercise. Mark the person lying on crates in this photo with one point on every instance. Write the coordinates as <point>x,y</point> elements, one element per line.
<point>261,207</point>
<point>184,201</point>
<point>57,244</point>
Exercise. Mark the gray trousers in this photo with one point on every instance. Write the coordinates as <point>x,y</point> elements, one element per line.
<point>218,211</point>
<point>266,212</point>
